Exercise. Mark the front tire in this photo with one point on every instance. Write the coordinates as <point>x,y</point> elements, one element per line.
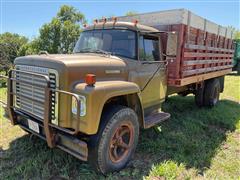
<point>116,141</point>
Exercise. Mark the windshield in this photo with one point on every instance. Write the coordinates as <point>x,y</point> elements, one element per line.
<point>113,41</point>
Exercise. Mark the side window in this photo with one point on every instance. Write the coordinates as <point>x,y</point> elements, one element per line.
<point>148,48</point>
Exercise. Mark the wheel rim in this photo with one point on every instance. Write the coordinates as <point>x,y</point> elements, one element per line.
<point>121,142</point>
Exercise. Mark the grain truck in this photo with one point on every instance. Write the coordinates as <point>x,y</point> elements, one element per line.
<point>93,102</point>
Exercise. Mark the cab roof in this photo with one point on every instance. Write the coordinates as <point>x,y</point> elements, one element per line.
<point>121,24</point>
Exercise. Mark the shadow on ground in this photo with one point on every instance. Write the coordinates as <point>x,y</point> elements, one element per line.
<point>191,137</point>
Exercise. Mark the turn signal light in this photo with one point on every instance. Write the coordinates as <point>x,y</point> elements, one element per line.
<point>90,79</point>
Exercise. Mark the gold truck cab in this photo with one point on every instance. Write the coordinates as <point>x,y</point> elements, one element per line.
<point>92,103</point>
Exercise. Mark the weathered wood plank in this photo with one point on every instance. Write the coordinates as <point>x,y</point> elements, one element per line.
<point>203,61</point>
<point>201,47</point>
<point>193,54</point>
<point>204,70</point>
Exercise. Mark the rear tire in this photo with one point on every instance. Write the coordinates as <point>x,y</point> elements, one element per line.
<point>199,95</point>
<point>116,141</point>
<point>211,92</point>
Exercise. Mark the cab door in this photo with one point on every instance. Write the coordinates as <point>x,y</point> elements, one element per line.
<point>151,71</point>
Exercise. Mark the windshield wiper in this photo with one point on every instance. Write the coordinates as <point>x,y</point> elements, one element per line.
<point>85,50</point>
<point>101,51</point>
<point>90,50</point>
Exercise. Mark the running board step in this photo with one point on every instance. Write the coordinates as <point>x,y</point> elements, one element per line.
<point>155,118</point>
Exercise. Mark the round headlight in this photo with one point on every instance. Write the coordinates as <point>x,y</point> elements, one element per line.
<point>82,105</point>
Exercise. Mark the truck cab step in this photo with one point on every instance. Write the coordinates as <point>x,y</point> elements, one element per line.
<point>155,118</point>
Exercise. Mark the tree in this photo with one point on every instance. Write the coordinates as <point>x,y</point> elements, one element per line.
<point>33,47</point>
<point>236,32</point>
<point>61,34</point>
<point>237,35</point>
<point>131,13</point>
<point>10,48</point>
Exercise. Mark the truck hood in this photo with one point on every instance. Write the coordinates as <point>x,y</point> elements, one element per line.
<point>72,68</point>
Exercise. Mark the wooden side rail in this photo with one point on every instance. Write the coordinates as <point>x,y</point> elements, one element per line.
<point>207,48</point>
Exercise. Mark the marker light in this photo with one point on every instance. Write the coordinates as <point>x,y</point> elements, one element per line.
<point>135,22</point>
<point>114,19</point>
<point>90,79</point>
<point>104,20</point>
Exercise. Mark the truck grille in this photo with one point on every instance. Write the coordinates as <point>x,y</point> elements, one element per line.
<point>30,94</point>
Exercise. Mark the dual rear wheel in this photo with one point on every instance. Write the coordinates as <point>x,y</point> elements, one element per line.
<point>208,94</point>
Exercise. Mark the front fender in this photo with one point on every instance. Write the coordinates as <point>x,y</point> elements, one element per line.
<point>97,96</point>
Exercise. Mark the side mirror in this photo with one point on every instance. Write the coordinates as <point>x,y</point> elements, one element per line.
<point>172,43</point>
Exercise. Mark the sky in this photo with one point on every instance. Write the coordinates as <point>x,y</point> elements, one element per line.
<point>27,16</point>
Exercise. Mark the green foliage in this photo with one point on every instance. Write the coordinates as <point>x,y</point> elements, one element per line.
<point>236,32</point>
<point>131,13</point>
<point>237,35</point>
<point>32,47</point>
<point>61,34</point>
<point>167,169</point>
<point>10,48</point>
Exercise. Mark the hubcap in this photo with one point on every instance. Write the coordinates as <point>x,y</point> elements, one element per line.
<point>121,142</point>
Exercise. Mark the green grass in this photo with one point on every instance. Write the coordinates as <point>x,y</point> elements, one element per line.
<point>194,144</point>
<point>232,88</point>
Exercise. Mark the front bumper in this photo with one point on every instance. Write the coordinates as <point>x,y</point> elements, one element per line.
<point>55,136</point>
<point>68,143</point>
